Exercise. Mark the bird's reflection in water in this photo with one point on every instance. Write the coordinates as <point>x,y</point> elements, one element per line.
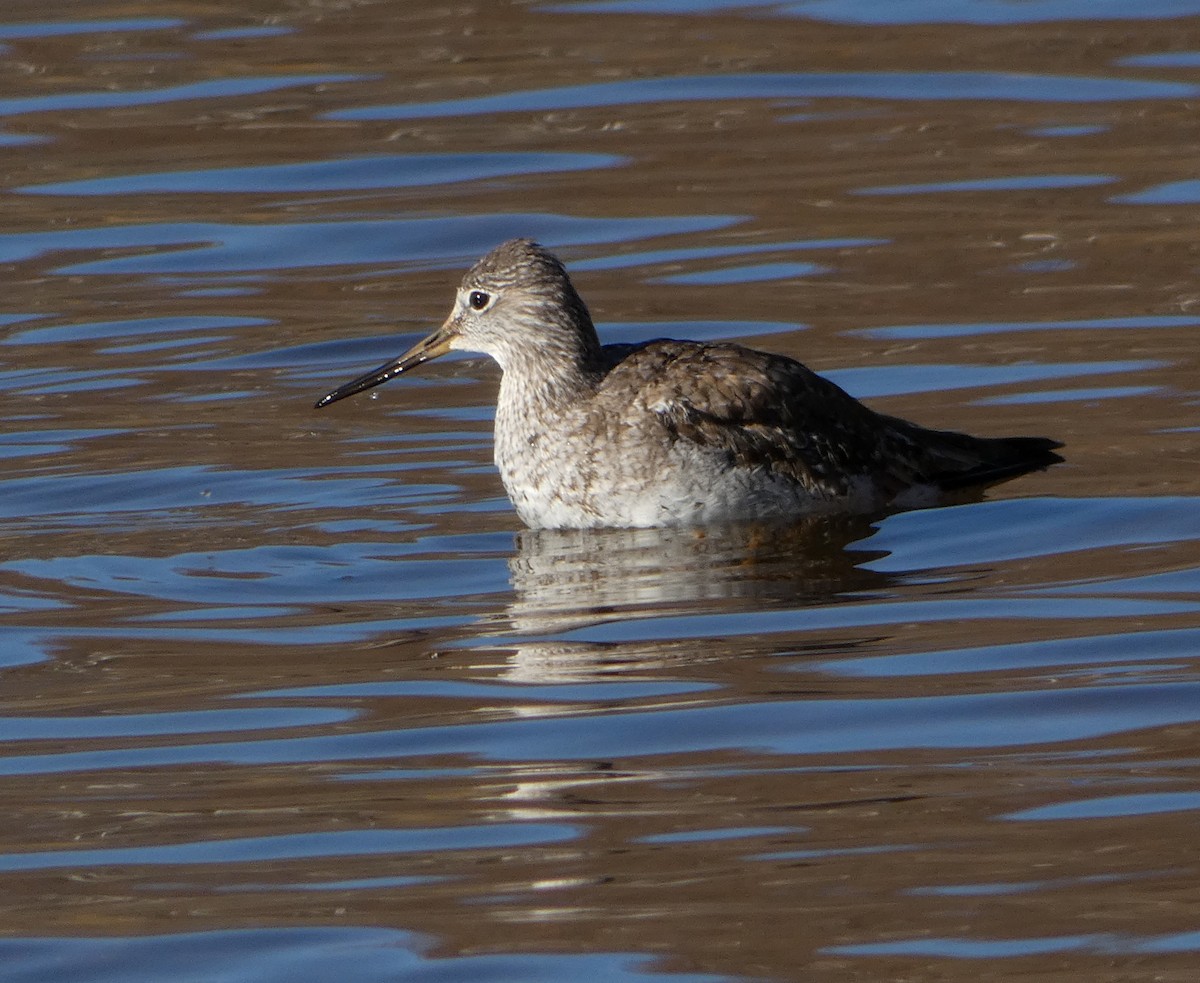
<point>570,579</point>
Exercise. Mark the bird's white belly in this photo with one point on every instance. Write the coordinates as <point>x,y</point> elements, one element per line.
<point>613,486</point>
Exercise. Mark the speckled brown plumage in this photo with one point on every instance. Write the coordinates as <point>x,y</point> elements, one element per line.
<point>677,432</point>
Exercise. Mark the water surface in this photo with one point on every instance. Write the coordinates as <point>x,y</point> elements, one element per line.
<point>290,695</point>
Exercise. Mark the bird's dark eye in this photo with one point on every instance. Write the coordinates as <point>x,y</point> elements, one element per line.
<point>478,300</point>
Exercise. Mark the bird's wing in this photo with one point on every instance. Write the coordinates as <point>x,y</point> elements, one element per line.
<point>757,410</point>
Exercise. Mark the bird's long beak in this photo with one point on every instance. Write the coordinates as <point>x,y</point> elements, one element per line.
<point>436,344</point>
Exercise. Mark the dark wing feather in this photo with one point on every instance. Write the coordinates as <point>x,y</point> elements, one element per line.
<point>758,410</point>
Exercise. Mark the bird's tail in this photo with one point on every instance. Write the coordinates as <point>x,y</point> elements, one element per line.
<point>954,461</point>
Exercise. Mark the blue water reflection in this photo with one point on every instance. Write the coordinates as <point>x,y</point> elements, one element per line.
<point>352,842</point>
<point>345,174</point>
<point>209,247</point>
<point>213,89</point>
<point>1015,183</point>
<point>782,727</point>
<point>994,12</point>
<point>51,29</point>
<point>935,86</point>
<point>306,955</point>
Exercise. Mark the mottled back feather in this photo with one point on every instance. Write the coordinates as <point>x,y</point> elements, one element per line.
<point>761,410</point>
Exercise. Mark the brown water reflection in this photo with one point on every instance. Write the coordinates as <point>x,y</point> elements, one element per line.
<point>288,695</point>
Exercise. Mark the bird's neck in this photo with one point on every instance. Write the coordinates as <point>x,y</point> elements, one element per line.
<point>558,368</point>
<point>543,387</point>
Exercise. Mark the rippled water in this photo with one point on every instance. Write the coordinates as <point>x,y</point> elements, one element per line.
<point>291,696</point>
